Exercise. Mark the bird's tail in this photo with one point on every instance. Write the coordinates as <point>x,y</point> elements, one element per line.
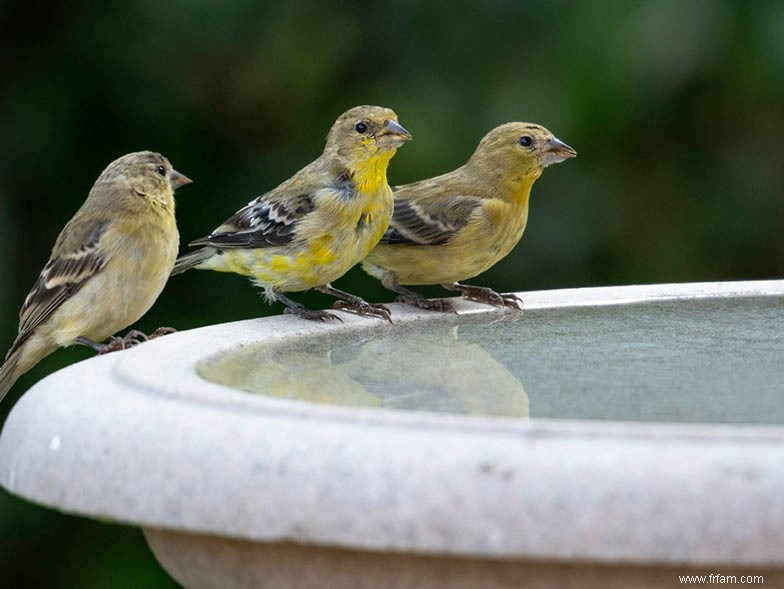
<point>9,372</point>
<point>27,351</point>
<point>192,259</point>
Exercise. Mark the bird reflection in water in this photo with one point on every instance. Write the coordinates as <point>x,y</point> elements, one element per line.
<point>429,369</point>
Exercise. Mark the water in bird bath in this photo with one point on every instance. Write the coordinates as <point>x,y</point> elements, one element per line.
<point>711,360</point>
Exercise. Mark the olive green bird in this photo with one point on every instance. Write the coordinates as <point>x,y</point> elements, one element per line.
<point>315,226</point>
<point>455,226</point>
<point>107,267</point>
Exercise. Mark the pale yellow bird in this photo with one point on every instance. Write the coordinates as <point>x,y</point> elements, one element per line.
<point>107,268</point>
<point>312,228</point>
<point>455,226</point>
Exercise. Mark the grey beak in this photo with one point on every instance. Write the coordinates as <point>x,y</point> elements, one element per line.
<point>176,180</point>
<point>394,128</point>
<point>560,148</point>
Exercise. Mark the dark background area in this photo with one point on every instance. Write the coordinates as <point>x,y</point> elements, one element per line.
<point>676,109</point>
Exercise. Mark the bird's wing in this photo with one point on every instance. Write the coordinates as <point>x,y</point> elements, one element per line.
<point>64,274</point>
<point>430,222</point>
<point>264,222</point>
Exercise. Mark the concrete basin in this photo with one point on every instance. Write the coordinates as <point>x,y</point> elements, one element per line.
<point>608,437</point>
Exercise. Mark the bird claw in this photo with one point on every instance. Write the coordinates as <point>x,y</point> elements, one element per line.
<point>482,294</point>
<point>161,331</point>
<point>133,338</point>
<point>440,305</point>
<point>512,301</point>
<point>311,314</point>
<point>114,343</point>
<point>364,309</point>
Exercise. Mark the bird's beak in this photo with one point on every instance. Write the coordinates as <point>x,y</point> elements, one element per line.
<point>560,148</point>
<point>557,151</point>
<point>176,180</point>
<point>394,131</point>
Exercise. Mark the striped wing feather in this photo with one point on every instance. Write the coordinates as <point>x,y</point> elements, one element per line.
<point>264,222</point>
<point>64,274</point>
<point>432,222</point>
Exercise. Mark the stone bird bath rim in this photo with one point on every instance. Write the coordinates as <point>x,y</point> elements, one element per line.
<point>140,438</point>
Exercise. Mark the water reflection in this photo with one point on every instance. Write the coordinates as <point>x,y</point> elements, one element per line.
<point>290,374</point>
<point>433,370</point>
<point>701,361</point>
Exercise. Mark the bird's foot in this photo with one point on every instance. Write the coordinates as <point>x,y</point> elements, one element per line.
<point>482,294</point>
<point>440,305</point>
<point>134,338</point>
<point>310,314</point>
<point>512,301</point>
<point>161,331</point>
<point>114,343</point>
<point>361,307</point>
<point>300,310</point>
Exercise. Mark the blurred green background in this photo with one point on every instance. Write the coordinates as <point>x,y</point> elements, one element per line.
<point>676,109</point>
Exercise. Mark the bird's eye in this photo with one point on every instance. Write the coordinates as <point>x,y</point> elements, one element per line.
<point>161,170</point>
<point>361,127</point>
<point>525,141</point>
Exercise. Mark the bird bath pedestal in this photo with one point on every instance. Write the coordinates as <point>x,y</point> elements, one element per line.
<point>610,437</point>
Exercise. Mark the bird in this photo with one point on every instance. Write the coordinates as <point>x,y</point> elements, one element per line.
<point>453,227</point>
<point>311,229</point>
<point>107,267</point>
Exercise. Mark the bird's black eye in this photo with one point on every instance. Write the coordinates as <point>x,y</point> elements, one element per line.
<point>161,170</point>
<point>525,141</point>
<point>361,127</point>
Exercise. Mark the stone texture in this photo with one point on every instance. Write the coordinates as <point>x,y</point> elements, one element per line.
<point>207,562</point>
<point>138,437</point>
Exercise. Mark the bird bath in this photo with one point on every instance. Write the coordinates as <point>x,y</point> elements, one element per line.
<point>614,437</point>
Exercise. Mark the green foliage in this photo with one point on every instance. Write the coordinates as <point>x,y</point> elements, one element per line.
<point>674,107</point>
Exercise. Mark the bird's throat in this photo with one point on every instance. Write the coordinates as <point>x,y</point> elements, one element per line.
<point>371,174</point>
<point>519,190</point>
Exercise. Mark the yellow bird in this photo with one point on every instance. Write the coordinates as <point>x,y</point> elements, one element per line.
<point>107,268</point>
<point>316,225</point>
<point>455,226</point>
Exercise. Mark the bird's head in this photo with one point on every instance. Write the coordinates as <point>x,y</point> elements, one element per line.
<point>519,151</point>
<point>365,132</point>
<point>144,174</point>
